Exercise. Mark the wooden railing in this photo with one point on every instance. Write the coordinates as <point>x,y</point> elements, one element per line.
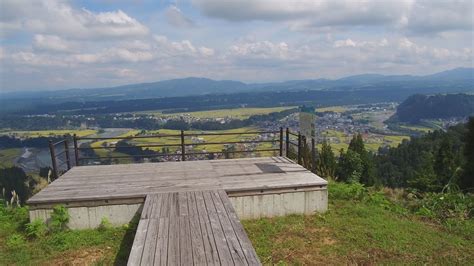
<point>290,144</point>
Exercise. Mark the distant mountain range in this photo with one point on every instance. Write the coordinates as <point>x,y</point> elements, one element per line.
<point>455,80</point>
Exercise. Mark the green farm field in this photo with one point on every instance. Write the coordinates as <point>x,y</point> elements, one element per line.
<point>237,113</point>
<point>339,140</point>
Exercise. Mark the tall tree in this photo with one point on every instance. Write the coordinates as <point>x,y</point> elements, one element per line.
<point>326,163</point>
<point>466,182</point>
<point>349,167</point>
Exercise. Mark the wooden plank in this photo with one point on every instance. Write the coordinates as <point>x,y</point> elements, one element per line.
<point>221,241</point>
<point>234,245</point>
<point>185,248</point>
<point>147,207</point>
<point>245,243</point>
<point>183,204</point>
<point>138,243</point>
<point>148,256</point>
<point>161,251</point>
<point>157,206</point>
<point>165,211</point>
<point>197,244</point>
<point>212,256</point>
<point>173,237</point>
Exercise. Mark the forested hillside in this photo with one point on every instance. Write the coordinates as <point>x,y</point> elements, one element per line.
<point>417,107</point>
<point>430,163</point>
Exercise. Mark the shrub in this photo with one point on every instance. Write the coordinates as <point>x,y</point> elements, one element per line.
<point>104,224</point>
<point>16,241</point>
<point>345,191</point>
<point>59,218</point>
<point>444,206</point>
<point>36,229</point>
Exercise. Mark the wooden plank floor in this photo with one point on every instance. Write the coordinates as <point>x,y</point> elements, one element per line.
<point>125,181</point>
<point>191,228</point>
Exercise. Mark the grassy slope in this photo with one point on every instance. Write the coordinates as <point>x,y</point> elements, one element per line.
<point>359,232</point>
<point>80,247</point>
<point>352,231</point>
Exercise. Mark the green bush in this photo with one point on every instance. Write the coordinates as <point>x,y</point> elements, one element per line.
<point>36,229</point>
<point>104,224</point>
<point>16,241</point>
<point>59,218</point>
<point>346,191</point>
<point>444,206</point>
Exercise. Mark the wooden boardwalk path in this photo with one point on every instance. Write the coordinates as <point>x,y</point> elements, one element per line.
<point>191,228</point>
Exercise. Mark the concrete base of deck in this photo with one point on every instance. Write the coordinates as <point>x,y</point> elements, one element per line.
<point>257,187</point>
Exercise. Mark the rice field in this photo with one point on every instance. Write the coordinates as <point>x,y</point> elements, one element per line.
<point>236,113</point>
<point>336,109</point>
<point>339,140</point>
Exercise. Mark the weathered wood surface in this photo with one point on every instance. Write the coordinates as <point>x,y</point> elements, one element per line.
<point>86,183</point>
<point>191,228</point>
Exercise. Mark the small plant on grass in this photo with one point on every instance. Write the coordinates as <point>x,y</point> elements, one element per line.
<point>16,242</point>
<point>59,218</point>
<point>104,224</point>
<point>36,229</point>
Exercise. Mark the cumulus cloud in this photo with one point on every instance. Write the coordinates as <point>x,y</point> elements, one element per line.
<point>51,43</point>
<point>60,18</point>
<point>410,15</point>
<point>175,17</point>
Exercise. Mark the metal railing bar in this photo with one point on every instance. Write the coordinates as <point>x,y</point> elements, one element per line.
<point>130,156</point>
<point>59,142</point>
<point>233,142</point>
<point>127,147</point>
<point>229,152</point>
<point>231,133</point>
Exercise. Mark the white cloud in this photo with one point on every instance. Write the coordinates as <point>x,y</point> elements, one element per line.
<point>427,16</point>
<point>60,18</point>
<point>51,43</point>
<point>175,17</point>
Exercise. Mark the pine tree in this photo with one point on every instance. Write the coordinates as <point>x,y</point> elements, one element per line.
<point>466,182</point>
<point>326,163</point>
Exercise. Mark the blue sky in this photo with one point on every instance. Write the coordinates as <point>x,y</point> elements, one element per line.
<point>57,44</point>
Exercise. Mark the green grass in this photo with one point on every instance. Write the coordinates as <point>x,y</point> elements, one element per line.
<point>360,228</point>
<point>418,128</point>
<point>7,156</point>
<point>237,113</point>
<point>80,247</point>
<point>360,232</point>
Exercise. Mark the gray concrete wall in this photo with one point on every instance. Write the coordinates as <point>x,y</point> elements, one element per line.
<point>280,204</point>
<point>252,206</point>
<point>91,217</point>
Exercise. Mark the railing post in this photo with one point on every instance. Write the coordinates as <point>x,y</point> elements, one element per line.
<point>183,147</point>
<point>281,141</point>
<point>76,150</point>
<point>287,143</point>
<point>66,151</point>
<point>313,155</point>
<point>53,159</point>
<point>299,147</point>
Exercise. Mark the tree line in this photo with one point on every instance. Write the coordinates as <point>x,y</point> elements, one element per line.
<point>428,163</point>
